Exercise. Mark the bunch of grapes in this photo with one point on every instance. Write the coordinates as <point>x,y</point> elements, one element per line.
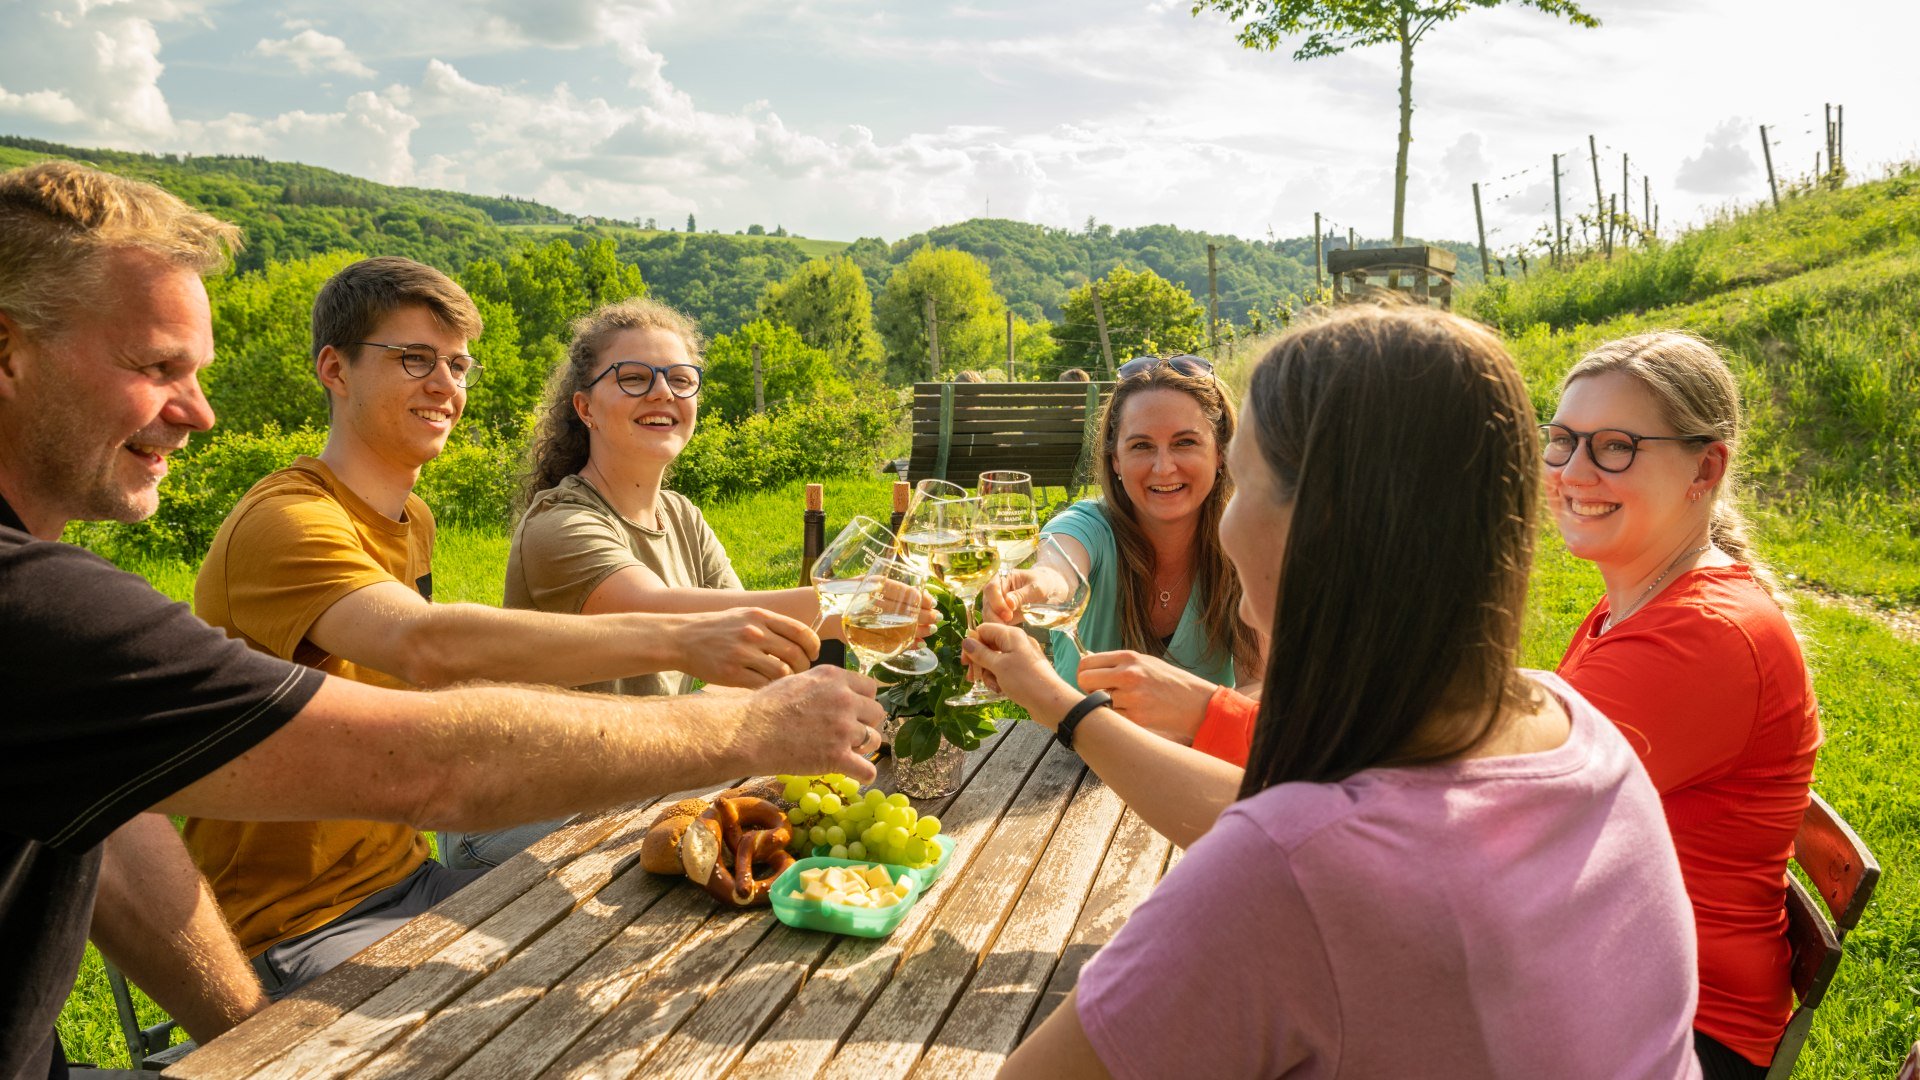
<point>831,811</point>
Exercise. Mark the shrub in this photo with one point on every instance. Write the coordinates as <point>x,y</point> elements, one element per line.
<point>474,479</point>
<point>796,441</point>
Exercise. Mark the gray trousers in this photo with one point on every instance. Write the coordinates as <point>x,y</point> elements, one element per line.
<point>293,963</point>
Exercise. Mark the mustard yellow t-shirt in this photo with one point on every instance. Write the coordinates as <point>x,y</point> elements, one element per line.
<point>296,543</point>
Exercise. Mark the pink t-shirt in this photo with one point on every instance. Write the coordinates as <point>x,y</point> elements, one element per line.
<point>1514,916</point>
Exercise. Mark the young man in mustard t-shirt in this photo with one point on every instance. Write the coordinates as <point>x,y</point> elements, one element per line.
<point>328,562</point>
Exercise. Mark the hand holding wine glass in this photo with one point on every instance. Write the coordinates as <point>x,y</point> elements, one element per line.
<point>881,621</point>
<point>921,531</point>
<point>842,570</point>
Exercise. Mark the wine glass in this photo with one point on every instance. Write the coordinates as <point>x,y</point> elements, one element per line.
<point>842,568</point>
<point>883,619</point>
<point>966,568</point>
<point>919,531</point>
<point>1053,591</point>
<point>1008,524</point>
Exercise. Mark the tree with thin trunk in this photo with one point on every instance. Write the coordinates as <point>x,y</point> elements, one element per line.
<point>1331,27</point>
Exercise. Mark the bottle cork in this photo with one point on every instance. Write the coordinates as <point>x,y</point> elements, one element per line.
<point>816,497</point>
<point>902,495</point>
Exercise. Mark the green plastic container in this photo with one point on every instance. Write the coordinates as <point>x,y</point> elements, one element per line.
<point>839,918</point>
<point>922,876</point>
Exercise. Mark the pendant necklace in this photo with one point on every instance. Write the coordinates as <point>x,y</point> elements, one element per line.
<point>1616,618</point>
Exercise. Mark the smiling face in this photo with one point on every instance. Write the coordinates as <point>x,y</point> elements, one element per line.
<point>1647,512</point>
<point>93,411</point>
<point>1165,455</point>
<point>1254,527</point>
<point>651,429</point>
<point>403,420</point>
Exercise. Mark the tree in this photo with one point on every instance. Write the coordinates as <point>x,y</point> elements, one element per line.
<point>1331,27</point>
<point>262,332</point>
<point>790,370</point>
<point>828,302</point>
<point>756,230</point>
<point>965,306</point>
<point>1145,312</point>
<point>690,225</point>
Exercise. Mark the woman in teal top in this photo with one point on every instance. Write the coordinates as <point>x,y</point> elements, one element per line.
<point>1150,545</point>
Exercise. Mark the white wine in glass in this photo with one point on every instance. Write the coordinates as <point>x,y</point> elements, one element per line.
<point>926,526</point>
<point>1057,592</point>
<point>841,572</point>
<point>881,622</point>
<point>966,568</point>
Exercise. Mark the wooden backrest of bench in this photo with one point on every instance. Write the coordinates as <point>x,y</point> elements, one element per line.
<point>961,430</point>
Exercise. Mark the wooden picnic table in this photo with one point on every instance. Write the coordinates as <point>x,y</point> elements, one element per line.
<point>569,960</point>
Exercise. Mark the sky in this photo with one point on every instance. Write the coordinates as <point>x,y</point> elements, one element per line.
<point>847,118</point>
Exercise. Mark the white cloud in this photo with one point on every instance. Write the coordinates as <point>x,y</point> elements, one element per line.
<point>50,106</point>
<point>310,51</point>
<point>1724,166</point>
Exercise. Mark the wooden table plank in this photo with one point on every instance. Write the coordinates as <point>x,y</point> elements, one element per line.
<point>623,1039</point>
<point>464,1024</point>
<point>838,992</point>
<point>248,1049</point>
<point>1133,865</point>
<point>987,1021</point>
<point>913,1004</point>
<point>544,1031</point>
<point>721,1029</point>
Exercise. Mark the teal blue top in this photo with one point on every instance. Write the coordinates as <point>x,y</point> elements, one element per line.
<point>1086,521</point>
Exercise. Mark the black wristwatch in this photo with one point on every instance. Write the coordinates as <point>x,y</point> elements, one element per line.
<point>1095,700</point>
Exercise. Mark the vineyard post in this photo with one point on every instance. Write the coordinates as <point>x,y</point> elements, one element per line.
<point>1840,136</point>
<point>1319,256</point>
<point>1599,198</point>
<point>1832,159</point>
<point>759,387</point>
<point>1612,214</point>
<point>1009,344</point>
<point>1558,231</point>
<point>1352,244</point>
<point>1646,206</point>
<point>1480,223</point>
<point>1100,318</point>
<point>1213,305</point>
<point>1626,197</point>
<point>933,337</point>
<point>1766,150</point>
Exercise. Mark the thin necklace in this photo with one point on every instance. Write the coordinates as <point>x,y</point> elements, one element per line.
<point>1616,618</point>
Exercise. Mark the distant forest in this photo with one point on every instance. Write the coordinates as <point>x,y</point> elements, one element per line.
<point>292,211</point>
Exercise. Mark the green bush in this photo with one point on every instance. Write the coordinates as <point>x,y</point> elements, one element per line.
<point>473,481</point>
<point>796,441</point>
<point>201,488</point>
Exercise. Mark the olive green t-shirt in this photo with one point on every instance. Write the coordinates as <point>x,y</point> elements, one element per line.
<point>571,539</point>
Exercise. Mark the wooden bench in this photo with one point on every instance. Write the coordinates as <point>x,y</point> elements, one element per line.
<point>1047,429</point>
<point>1844,872</point>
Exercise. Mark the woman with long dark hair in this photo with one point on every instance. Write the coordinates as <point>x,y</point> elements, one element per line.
<point>1434,864</point>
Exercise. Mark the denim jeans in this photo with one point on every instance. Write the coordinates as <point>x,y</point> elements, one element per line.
<point>485,850</point>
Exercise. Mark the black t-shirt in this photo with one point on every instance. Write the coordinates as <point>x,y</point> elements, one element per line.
<point>112,697</point>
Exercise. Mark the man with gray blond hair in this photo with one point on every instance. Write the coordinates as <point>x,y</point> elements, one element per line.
<point>123,706</point>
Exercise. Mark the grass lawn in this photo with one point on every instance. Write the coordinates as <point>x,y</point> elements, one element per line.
<point>1868,680</point>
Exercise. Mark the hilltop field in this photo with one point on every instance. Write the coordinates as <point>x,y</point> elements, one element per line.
<point>1817,305</point>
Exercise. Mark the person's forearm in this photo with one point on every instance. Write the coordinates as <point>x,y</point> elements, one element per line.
<point>1176,789</point>
<point>156,920</point>
<point>464,642</point>
<point>801,605</point>
<point>471,758</point>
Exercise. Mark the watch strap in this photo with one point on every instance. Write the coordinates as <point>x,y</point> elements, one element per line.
<point>1064,733</point>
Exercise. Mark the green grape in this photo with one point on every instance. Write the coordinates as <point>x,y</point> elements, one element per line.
<point>836,835</point>
<point>810,804</point>
<point>875,797</point>
<point>896,836</point>
<point>873,834</point>
<point>829,804</point>
<point>818,834</point>
<point>793,791</point>
<point>907,818</point>
<point>838,851</point>
<point>795,817</point>
<point>915,851</point>
<point>856,850</point>
<point>849,788</point>
<point>928,827</point>
<point>898,799</point>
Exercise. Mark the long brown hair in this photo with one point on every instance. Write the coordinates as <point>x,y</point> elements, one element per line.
<point>560,440</point>
<point>1698,395</point>
<point>1405,441</point>
<point>1214,578</point>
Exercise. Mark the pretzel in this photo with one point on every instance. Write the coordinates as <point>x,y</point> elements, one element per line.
<point>736,848</point>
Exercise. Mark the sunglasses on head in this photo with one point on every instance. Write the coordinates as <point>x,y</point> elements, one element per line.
<point>1185,363</point>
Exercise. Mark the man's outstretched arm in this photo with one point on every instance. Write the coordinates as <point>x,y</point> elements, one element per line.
<point>156,920</point>
<point>483,757</point>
